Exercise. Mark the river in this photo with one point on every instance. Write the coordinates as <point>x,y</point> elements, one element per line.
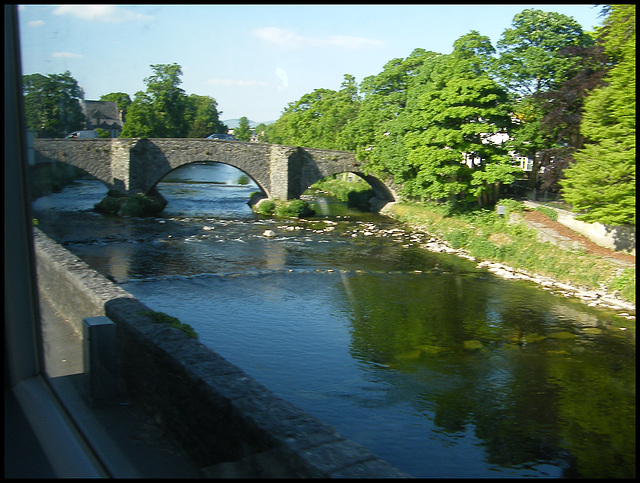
<point>440,368</point>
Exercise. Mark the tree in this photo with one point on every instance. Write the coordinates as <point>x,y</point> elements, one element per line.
<point>450,119</point>
<point>161,111</point>
<point>532,61</point>
<point>52,104</point>
<point>318,119</point>
<point>261,132</point>
<point>122,99</point>
<point>203,117</point>
<point>562,110</point>
<point>379,128</point>
<point>601,184</point>
<point>243,132</point>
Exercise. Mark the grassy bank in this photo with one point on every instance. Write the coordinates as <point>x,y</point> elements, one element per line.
<point>485,235</point>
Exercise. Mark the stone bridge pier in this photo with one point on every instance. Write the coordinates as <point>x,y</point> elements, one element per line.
<point>137,165</point>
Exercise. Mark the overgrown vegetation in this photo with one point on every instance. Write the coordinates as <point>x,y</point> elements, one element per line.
<point>488,236</point>
<point>284,209</point>
<point>355,193</point>
<point>137,205</point>
<point>162,318</point>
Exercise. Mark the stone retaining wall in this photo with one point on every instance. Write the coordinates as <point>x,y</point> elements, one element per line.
<point>619,238</point>
<point>220,415</point>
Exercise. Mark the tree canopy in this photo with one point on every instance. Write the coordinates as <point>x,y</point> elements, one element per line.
<point>52,104</point>
<point>443,127</point>
<point>535,57</point>
<point>161,110</point>
<point>243,132</point>
<point>601,184</point>
<point>121,98</point>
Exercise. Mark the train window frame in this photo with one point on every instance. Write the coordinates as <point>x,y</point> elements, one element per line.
<point>61,439</point>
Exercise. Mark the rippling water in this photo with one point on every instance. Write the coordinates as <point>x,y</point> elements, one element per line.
<point>441,369</point>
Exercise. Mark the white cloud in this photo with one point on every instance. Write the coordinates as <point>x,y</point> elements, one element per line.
<point>286,38</point>
<point>234,82</point>
<point>66,55</point>
<point>36,23</point>
<point>101,13</point>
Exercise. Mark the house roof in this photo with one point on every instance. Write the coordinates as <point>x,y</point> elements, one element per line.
<point>103,110</point>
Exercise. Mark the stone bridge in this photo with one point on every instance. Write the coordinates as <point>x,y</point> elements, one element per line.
<point>134,165</point>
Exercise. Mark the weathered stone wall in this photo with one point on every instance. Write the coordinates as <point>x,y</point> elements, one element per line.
<point>218,413</point>
<point>154,158</point>
<point>90,155</point>
<point>136,165</point>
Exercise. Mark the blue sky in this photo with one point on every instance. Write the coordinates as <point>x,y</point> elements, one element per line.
<point>253,59</point>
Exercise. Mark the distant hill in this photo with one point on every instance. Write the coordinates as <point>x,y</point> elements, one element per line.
<point>233,123</point>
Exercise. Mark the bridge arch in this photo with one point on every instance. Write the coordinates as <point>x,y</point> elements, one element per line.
<point>137,165</point>
<point>155,158</point>
<point>210,163</point>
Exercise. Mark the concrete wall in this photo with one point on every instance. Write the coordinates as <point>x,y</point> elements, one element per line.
<point>218,413</point>
<point>619,238</point>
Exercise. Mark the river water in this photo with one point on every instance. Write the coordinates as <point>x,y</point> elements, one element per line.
<point>440,368</point>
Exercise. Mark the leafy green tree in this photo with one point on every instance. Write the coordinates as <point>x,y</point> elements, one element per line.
<point>601,183</point>
<point>376,131</point>
<point>52,104</point>
<point>243,132</point>
<point>451,117</point>
<point>318,119</point>
<point>532,61</point>
<point>160,111</point>
<point>261,131</point>
<point>121,98</point>
<point>203,117</point>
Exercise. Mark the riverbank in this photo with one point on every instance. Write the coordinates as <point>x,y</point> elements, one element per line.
<point>513,249</point>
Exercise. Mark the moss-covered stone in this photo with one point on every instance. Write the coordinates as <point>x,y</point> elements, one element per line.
<point>136,205</point>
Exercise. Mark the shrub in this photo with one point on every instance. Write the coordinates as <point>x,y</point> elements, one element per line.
<point>109,205</point>
<point>294,208</point>
<point>140,205</point>
<point>116,203</point>
<point>265,207</point>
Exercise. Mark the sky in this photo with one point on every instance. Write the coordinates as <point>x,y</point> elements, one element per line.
<point>252,59</point>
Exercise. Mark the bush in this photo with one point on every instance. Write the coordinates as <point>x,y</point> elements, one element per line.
<point>109,205</point>
<point>140,205</point>
<point>294,208</point>
<point>116,203</point>
<point>265,207</point>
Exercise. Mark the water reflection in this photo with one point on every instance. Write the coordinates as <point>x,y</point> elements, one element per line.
<point>441,369</point>
<point>517,377</point>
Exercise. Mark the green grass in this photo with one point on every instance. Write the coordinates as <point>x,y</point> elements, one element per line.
<point>488,236</point>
